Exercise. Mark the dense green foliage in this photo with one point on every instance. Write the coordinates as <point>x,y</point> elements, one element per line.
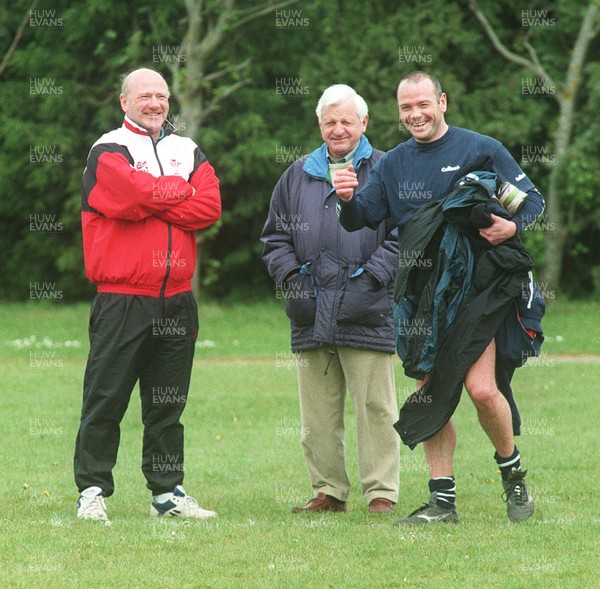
<point>60,93</point>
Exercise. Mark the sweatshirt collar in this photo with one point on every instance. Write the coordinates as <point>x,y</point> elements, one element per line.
<point>167,128</point>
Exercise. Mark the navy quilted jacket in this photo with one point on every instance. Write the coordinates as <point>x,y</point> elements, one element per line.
<point>343,291</point>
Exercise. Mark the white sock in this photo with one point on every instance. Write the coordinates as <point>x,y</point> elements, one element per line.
<point>163,497</point>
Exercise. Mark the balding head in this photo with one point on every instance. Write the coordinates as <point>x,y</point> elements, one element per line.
<point>144,74</point>
<point>145,100</point>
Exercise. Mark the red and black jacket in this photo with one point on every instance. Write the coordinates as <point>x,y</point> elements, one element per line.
<point>141,202</point>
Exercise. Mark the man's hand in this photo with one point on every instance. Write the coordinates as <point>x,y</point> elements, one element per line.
<point>345,182</point>
<point>499,231</point>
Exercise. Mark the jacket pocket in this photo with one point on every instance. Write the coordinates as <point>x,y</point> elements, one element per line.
<point>365,301</point>
<point>300,301</point>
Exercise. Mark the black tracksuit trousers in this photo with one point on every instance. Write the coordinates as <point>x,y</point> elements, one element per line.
<point>136,339</point>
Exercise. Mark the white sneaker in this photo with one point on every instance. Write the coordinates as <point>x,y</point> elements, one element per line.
<point>180,505</point>
<point>91,505</point>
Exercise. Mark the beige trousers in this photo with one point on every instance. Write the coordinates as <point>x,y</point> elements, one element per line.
<point>324,375</point>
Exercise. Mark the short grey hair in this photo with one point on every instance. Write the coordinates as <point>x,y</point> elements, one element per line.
<point>339,94</point>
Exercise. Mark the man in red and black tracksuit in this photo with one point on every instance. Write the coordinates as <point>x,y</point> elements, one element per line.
<point>144,193</point>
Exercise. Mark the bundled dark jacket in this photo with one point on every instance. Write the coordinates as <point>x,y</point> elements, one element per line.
<point>342,293</point>
<point>458,300</point>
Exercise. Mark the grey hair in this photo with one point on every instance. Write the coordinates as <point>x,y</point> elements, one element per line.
<point>339,94</point>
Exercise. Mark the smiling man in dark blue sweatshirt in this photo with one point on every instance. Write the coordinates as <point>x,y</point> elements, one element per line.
<point>415,173</point>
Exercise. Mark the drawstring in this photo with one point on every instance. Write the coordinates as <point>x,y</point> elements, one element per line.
<point>331,355</point>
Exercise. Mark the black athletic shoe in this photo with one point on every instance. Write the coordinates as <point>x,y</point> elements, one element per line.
<point>429,513</point>
<point>519,503</point>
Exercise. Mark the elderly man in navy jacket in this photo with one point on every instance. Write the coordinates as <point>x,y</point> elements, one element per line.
<point>338,289</point>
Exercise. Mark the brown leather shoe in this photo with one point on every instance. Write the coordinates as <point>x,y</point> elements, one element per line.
<point>381,505</point>
<point>322,502</point>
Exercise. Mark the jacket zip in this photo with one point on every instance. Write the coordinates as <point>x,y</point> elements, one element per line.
<point>341,270</point>
<point>163,287</point>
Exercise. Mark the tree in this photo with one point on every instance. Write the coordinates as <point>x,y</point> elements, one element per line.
<point>227,98</point>
<point>17,38</point>
<point>200,81</point>
<point>566,96</point>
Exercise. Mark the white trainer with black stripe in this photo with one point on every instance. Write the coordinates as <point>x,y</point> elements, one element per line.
<point>180,505</point>
<point>90,505</point>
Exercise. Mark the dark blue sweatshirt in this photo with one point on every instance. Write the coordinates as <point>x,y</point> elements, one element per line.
<point>414,174</point>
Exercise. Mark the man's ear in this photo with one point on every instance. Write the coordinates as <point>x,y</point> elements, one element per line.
<point>365,122</point>
<point>443,102</point>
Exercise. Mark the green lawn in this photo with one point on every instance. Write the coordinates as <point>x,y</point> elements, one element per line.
<point>243,459</point>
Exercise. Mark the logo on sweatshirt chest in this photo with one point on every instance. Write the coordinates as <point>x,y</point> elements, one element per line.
<point>141,166</point>
<point>175,165</point>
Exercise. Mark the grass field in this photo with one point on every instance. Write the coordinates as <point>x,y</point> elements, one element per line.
<point>243,459</point>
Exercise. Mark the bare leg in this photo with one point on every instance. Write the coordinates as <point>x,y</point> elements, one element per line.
<point>492,408</point>
<point>493,412</point>
<point>439,451</point>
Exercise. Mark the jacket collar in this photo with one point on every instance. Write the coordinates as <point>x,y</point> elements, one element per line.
<point>316,163</point>
<point>167,128</point>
